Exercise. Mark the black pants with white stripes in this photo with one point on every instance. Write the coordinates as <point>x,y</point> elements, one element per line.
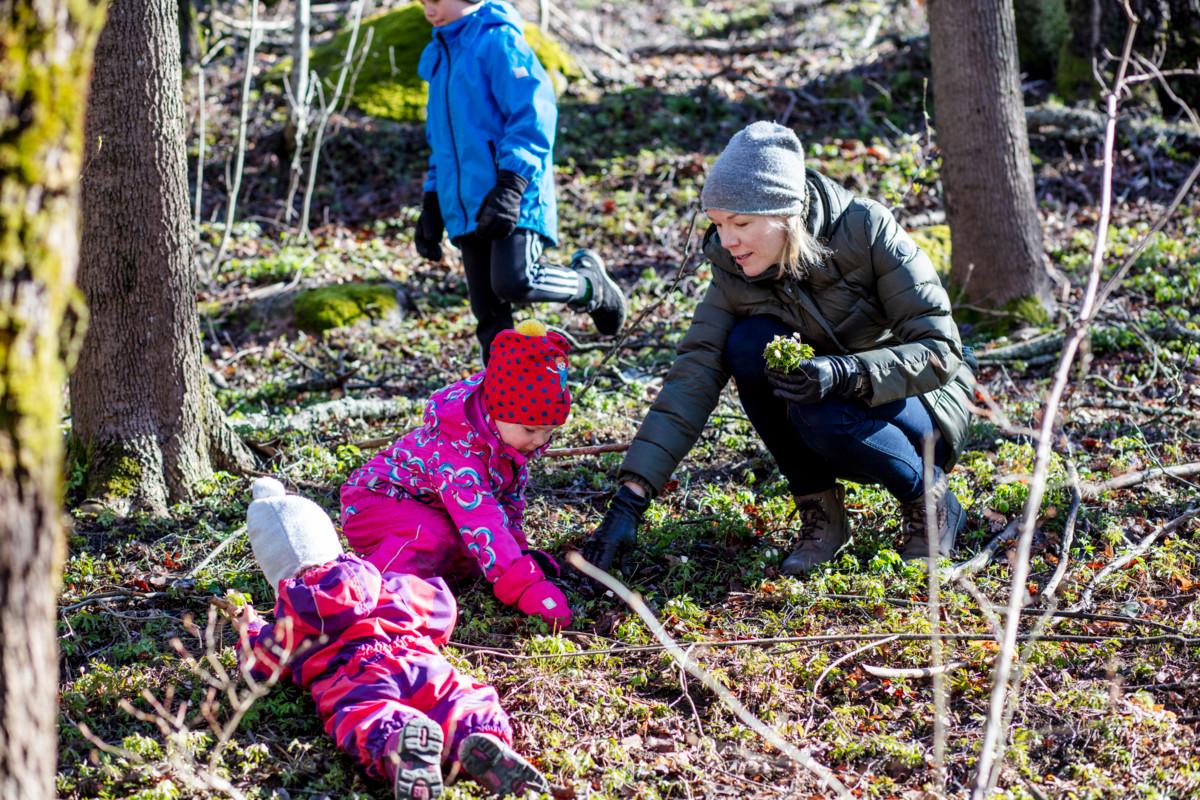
<point>510,271</point>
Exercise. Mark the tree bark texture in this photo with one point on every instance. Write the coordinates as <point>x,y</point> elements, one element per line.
<point>996,239</point>
<point>46,55</point>
<point>143,413</point>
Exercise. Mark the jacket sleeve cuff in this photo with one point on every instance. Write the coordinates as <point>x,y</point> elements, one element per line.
<point>523,573</point>
<point>633,477</point>
<point>522,167</point>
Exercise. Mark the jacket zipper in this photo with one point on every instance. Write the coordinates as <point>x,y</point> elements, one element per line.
<point>450,124</point>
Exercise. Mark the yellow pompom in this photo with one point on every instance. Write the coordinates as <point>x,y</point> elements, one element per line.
<point>531,327</point>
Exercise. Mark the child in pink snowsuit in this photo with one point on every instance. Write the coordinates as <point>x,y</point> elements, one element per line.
<point>447,499</point>
<point>366,646</point>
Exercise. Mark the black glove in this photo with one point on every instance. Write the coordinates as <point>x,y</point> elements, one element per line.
<point>618,530</point>
<point>818,378</point>
<point>497,217</point>
<point>427,236</point>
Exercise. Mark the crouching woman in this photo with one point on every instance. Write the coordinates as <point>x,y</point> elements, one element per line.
<point>793,252</point>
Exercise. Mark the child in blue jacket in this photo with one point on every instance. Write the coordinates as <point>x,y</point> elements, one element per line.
<point>490,122</point>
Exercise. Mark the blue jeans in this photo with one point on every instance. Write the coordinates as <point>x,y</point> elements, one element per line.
<point>816,444</point>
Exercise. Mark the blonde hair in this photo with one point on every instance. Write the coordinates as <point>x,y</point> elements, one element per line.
<point>802,252</point>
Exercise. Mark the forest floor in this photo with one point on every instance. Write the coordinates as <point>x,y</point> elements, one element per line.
<point>1109,703</point>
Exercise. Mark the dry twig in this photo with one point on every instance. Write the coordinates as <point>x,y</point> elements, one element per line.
<point>1091,489</point>
<point>894,673</point>
<point>1085,599</point>
<point>224,706</point>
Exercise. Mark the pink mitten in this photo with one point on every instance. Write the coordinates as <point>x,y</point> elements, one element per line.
<point>544,599</point>
<point>516,580</point>
<point>545,561</point>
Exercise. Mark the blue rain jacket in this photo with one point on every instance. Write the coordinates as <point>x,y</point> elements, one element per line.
<point>491,107</point>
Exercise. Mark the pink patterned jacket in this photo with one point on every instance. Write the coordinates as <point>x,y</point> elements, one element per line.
<point>453,477</point>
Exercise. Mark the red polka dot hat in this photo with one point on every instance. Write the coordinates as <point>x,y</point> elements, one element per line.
<point>526,379</point>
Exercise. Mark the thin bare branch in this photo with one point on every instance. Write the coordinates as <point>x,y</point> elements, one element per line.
<point>995,733</point>
<point>633,600</point>
<point>240,155</point>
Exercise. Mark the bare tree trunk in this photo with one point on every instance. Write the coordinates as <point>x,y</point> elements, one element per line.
<point>300,103</point>
<point>996,239</point>
<point>142,411</point>
<point>39,320</point>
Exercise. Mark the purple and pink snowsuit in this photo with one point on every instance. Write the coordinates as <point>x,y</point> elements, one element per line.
<point>366,645</point>
<point>447,499</point>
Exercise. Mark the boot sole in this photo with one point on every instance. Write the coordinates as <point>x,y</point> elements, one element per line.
<point>496,767</point>
<point>419,773</point>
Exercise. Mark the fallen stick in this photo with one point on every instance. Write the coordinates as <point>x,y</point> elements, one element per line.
<point>1085,599</point>
<point>984,557</point>
<point>1090,489</point>
<point>596,449</point>
<point>1078,125</point>
<point>911,672</point>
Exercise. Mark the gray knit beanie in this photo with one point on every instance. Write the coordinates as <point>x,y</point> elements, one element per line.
<point>760,171</point>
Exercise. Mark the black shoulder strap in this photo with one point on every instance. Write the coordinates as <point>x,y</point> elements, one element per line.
<point>810,306</point>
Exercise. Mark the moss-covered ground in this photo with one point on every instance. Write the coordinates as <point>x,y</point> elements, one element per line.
<point>1110,701</point>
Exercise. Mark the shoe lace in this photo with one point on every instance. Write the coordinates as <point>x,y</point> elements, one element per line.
<point>912,521</point>
<point>811,515</point>
<point>912,514</point>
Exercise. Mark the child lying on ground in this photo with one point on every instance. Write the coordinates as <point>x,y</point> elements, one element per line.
<point>366,645</point>
<point>448,498</point>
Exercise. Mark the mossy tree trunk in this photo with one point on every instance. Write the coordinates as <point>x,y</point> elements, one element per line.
<point>47,55</point>
<point>996,238</point>
<point>143,413</point>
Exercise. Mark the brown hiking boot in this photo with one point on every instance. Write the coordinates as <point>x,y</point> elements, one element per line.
<point>950,518</point>
<point>823,530</point>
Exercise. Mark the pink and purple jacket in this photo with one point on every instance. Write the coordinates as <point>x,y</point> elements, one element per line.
<point>367,647</point>
<point>446,499</point>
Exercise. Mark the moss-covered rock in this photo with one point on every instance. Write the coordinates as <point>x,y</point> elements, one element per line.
<point>329,307</point>
<point>935,241</point>
<point>387,84</point>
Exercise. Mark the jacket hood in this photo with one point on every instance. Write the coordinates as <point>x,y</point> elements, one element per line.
<point>827,202</point>
<point>457,412</point>
<point>491,13</point>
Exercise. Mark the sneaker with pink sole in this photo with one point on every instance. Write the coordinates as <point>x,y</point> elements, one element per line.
<point>491,763</point>
<point>419,756</point>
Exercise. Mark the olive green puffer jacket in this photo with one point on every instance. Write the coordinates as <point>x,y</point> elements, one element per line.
<point>877,297</point>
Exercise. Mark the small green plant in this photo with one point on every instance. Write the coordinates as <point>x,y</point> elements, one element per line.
<point>238,599</point>
<point>785,353</point>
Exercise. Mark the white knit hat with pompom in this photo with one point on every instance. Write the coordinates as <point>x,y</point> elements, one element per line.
<point>288,533</point>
